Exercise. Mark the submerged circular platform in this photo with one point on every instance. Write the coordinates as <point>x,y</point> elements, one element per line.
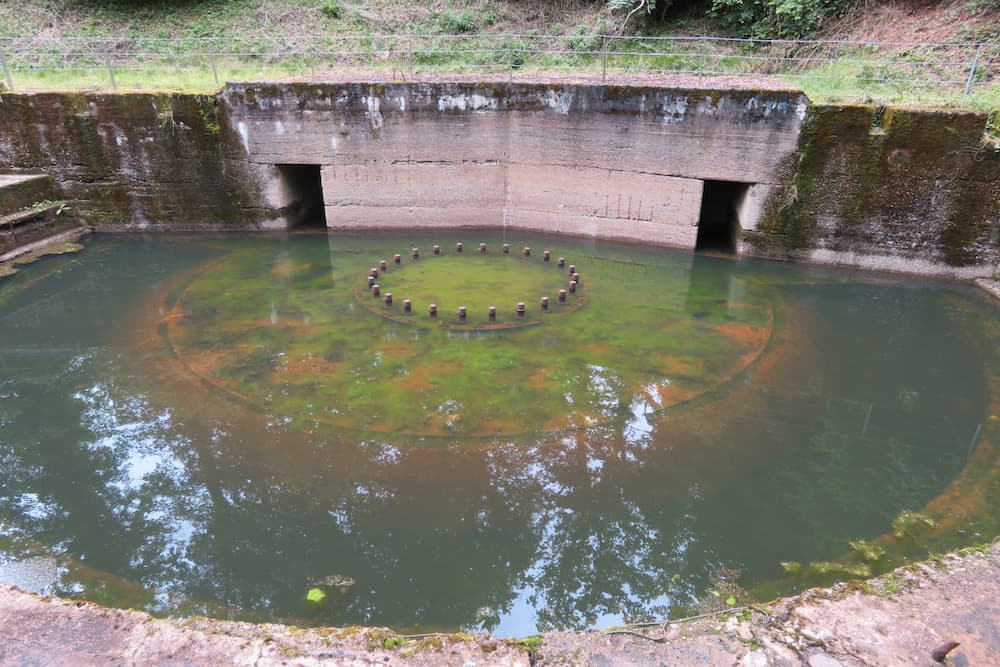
<point>238,427</point>
<point>472,291</point>
<point>342,348</point>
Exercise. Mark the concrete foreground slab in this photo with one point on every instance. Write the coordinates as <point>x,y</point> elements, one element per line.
<point>898,619</point>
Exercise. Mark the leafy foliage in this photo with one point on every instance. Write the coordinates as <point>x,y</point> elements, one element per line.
<point>458,22</point>
<point>777,18</point>
<point>332,9</point>
<point>750,18</point>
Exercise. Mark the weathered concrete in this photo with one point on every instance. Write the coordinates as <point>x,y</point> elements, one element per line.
<point>890,189</point>
<point>605,161</point>
<point>32,217</point>
<point>913,191</point>
<point>53,243</point>
<point>895,620</point>
<point>21,191</point>
<point>136,160</point>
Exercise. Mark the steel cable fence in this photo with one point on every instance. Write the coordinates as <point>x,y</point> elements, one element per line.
<point>955,74</point>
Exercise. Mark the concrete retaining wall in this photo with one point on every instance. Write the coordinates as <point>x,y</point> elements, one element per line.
<point>622,163</point>
<point>910,191</point>
<point>138,161</point>
<point>915,191</point>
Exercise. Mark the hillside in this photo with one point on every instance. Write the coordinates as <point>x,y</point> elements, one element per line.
<point>194,44</point>
<point>948,21</point>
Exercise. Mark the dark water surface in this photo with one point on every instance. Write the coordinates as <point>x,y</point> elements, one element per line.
<point>218,425</point>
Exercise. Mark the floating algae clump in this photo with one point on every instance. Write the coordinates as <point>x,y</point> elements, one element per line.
<point>911,524</point>
<point>316,596</point>
<point>866,550</point>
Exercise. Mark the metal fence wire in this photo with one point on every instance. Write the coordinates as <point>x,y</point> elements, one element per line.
<point>960,73</point>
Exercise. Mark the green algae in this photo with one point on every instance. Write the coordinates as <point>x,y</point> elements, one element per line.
<point>889,181</point>
<point>300,334</point>
<point>477,282</point>
<point>780,461</point>
<point>909,524</point>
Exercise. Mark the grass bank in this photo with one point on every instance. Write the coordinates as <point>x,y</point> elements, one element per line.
<point>197,46</point>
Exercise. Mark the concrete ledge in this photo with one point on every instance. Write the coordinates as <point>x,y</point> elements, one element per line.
<point>875,261</point>
<point>990,285</point>
<point>898,619</point>
<point>76,233</point>
<point>21,191</point>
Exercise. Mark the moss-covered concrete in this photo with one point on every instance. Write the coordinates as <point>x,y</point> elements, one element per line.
<point>24,191</point>
<point>128,160</point>
<point>914,188</point>
<point>885,188</point>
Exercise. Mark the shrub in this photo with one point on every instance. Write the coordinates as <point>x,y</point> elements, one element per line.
<point>332,9</point>
<point>465,21</point>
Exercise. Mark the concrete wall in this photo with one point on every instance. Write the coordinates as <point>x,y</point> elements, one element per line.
<point>892,189</point>
<point>623,163</point>
<point>896,189</point>
<point>139,161</point>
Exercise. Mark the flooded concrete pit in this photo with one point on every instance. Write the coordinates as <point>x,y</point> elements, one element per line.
<point>673,434</point>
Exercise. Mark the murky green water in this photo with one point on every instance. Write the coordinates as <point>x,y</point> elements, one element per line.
<point>218,425</point>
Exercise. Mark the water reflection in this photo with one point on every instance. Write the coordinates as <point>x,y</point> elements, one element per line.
<point>150,489</point>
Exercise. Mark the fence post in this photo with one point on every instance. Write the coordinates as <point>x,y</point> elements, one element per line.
<point>111,72</point>
<point>972,72</point>
<point>604,58</point>
<point>215,71</point>
<point>6,71</point>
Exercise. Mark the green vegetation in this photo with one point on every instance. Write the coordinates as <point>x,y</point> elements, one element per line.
<point>867,551</point>
<point>750,18</point>
<point>532,643</point>
<point>232,339</point>
<point>911,525</point>
<point>197,46</point>
<point>316,596</point>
